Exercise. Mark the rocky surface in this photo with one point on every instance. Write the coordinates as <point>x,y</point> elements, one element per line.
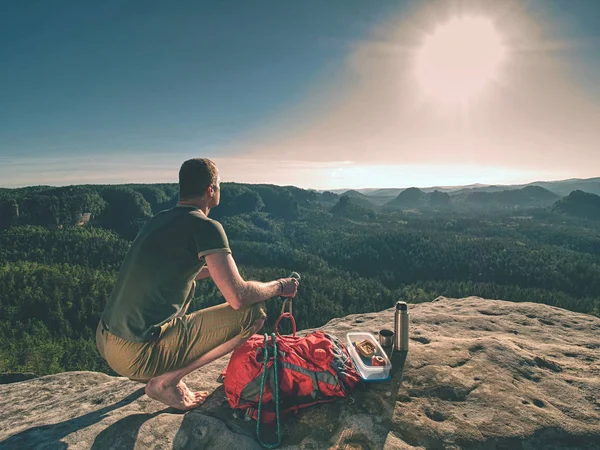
<point>479,374</point>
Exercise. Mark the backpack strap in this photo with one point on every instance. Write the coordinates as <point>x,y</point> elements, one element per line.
<point>287,302</point>
<point>274,394</point>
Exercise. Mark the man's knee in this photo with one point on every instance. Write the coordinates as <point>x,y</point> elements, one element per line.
<point>254,319</point>
<point>257,312</point>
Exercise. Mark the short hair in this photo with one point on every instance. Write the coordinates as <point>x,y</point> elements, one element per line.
<point>195,175</point>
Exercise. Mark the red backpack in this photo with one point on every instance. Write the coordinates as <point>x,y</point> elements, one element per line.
<point>310,370</point>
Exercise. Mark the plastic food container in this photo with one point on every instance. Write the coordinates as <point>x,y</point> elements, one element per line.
<point>366,370</point>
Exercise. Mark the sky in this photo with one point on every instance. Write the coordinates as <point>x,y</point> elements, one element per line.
<point>317,94</point>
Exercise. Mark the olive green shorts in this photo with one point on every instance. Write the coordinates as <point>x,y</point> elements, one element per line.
<point>181,341</point>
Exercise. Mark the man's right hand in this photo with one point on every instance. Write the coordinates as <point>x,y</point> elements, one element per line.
<point>290,287</point>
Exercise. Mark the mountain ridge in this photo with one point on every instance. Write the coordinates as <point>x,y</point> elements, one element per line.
<point>559,187</point>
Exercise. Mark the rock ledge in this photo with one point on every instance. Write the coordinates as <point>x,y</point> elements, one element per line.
<point>480,374</point>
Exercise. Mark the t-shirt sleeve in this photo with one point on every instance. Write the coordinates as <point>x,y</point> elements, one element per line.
<point>211,238</point>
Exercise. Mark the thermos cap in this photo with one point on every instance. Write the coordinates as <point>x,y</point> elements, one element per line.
<point>401,306</point>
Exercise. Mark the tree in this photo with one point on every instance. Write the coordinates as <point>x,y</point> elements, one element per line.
<point>126,211</point>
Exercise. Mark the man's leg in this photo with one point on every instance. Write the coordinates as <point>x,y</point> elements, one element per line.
<point>169,388</point>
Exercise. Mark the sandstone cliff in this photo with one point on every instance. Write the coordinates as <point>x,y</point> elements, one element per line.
<point>479,374</point>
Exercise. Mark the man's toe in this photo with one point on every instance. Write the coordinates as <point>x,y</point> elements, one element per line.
<point>200,397</point>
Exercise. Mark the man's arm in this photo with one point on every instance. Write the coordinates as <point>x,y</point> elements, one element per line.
<point>240,293</point>
<point>204,273</point>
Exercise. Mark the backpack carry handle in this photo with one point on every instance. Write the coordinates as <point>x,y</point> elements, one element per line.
<point>287,302</point>
<point>285,315</point>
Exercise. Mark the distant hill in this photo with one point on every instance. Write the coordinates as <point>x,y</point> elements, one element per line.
<point>390,193</point>
<point>415,198</point>
<point>527,197</point>
<point>354,194</point>
<point>565,187</point>
<point>410,198</point>
<point>437,199</point>
<point>451,189</point>
<point>360,199</point>
<point>385,196</point>
<point>560,188</point>
<point>328,198</point>
<point>350,208</point>
<point>580,204</point>
<point>530,196</point>
<point>385,192</point>
<point>123,208</point>
<point>490,188</point>
<point>339,191</point>
<point>381,196</point>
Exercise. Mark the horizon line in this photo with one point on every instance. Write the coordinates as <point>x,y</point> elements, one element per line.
<point>483,185</point>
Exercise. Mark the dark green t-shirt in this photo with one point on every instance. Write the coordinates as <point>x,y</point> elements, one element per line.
<point>156,280</point>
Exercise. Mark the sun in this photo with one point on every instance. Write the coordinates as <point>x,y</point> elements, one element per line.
<point>459,59</point>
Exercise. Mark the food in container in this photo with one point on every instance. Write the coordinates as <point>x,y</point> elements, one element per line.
<point>377,361</point>
<point>365,348</point>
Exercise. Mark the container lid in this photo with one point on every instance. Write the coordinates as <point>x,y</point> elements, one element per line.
<point>401,306</point>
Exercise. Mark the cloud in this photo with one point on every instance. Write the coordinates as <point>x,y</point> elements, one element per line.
<point>98,169</point>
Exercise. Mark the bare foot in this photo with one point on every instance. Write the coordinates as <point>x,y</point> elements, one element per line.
<point>178,396</point>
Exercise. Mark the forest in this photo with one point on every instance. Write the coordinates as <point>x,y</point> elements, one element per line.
<point>61,249</point>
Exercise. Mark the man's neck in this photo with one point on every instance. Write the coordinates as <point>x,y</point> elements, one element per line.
<point>200,204</point>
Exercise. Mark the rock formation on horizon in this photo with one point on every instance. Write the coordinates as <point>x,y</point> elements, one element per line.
<point>479,374</point>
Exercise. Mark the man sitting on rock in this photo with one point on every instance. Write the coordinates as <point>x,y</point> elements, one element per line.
<point>144,332</point>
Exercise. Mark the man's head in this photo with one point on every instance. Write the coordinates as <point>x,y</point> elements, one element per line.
<point>199,179</point>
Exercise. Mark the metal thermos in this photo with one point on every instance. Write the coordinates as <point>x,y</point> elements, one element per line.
<point>401,327</point>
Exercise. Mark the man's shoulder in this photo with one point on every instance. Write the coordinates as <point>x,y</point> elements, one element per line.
<point>188,219</point>
<point>200,217</point>
<point>181,214</point>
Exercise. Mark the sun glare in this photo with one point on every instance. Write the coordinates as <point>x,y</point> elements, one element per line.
<point>459,59</point>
